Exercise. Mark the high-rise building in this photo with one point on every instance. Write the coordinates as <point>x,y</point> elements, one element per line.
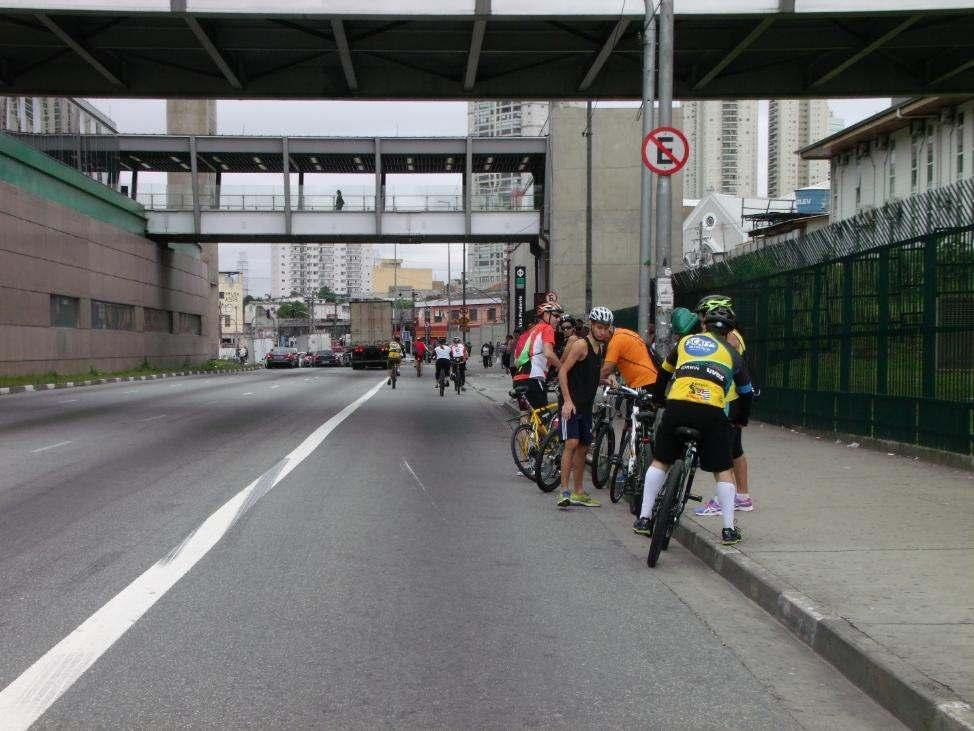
<point>243,266</point>
<point>485,262</point>
<point>836,124</point>
<point>793,124</point>
<point>305,268</point>
<point>723,137</point>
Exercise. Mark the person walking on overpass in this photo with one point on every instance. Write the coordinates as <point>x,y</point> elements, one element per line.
<point>578,377</point>
<point>339,201</point>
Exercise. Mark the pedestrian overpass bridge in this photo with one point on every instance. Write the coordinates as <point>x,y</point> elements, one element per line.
<point>203,209</point>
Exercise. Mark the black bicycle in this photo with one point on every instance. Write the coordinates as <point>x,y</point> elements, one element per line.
<point>457,374</point>
<point>603,444</point>
<point>635,449</point>
<point>672,498</point>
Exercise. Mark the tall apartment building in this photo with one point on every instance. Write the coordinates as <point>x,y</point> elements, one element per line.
<point>485,262</point>
<point>792,125</point>
<point>305,268</point>
<point>77,120</point>
<point>723,137</point>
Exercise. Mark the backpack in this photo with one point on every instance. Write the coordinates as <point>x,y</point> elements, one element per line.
<point>523,358</point>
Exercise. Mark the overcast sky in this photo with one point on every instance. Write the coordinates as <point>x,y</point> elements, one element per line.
<point>364,119</point>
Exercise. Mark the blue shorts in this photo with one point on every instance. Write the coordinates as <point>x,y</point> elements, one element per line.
<point>578,427</point>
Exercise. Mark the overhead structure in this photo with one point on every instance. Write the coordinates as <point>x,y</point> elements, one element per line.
<point>480,49</point>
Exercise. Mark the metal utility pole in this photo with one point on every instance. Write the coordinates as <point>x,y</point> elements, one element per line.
<point>449,286</point>
<point>664,201</point>
<point>588,208</point>
<point>645,179</point>
<point>463,295</point>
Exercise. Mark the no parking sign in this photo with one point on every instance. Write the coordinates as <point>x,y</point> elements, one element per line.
<point>665,150</point>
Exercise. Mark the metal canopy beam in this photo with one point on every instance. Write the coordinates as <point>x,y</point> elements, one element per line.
<point>213,52</point>
<point>344,54</point>
<point>953,72</point>
<point>473,57</point>
<point>603,54</point>
<point>861,54</point>
<point>731,55</point>
<point>78,48</point>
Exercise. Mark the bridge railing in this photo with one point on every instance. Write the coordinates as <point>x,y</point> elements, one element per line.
<point>393,202</point>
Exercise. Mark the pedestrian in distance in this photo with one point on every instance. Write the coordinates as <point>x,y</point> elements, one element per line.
<point>578,377</point>
<point>485,352</point>
<point>243,355</point>
<point>505,350</point>
<point>339,201</point>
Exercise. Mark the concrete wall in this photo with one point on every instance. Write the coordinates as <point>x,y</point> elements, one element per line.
<point>48,248</point>
<point>616,168</point>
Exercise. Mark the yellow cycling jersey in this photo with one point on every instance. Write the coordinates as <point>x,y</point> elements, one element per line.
<point>705,369</point>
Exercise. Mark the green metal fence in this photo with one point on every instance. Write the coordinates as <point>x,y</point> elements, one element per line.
<point>877,342</point>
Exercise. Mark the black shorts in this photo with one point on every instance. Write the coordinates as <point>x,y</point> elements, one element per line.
<point>536,394</point>
<point>578,427</point>
<point>716,440</point>
<point>738,451</point>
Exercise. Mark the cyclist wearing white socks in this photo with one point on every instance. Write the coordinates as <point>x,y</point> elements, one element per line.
<point>703,368</point>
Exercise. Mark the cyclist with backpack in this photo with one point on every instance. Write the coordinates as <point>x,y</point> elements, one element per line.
<point>700,372</point>
<point>536,352</point>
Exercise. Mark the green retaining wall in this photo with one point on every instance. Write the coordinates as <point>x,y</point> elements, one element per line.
<point>45,177</point>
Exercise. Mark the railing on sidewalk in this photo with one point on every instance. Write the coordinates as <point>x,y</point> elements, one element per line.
<point>877,342</point>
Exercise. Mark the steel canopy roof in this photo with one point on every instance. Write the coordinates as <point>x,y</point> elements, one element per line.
<point>480,49</point>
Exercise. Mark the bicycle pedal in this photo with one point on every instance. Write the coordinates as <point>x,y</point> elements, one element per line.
<point>696,498</point>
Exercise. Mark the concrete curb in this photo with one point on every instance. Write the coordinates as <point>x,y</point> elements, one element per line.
<point>917,700</point>
<point>6,390</point>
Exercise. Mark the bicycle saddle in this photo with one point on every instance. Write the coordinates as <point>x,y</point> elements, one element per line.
<point>686,433</point>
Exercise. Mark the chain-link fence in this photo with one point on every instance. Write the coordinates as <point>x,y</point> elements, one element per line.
<point>876,341</point>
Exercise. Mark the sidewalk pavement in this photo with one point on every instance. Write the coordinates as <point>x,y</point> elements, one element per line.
<point>868,556</point>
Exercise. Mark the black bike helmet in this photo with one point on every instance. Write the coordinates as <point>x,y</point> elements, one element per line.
<point>721,318</point>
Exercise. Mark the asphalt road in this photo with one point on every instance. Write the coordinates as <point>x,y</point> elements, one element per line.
<point>385,566</point>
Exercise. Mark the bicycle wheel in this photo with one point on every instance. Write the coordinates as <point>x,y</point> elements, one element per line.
<point>617,484</point>
<point>522,449</point>
<point>643,462</point>
<point>603,447</point>
<point>663,521</point>
<point>394,377</point>
<point>547,462</point>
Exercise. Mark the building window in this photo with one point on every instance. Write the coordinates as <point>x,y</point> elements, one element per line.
<point>112,316</point>
<point>491,314</point>
<point>64,311</point>
<point>473,314</point>
<point>892,167</point>
<point>929,157</point>
<point>438,316</point>
<point>157,321</point>
<point>959,131</point>
<point>915,163</point>
<point>189,324</point>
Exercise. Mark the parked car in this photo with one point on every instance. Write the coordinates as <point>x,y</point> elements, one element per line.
<point>324,358</point>
<point>282,358</point>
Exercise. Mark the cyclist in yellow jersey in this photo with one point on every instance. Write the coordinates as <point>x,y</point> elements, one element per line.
<point>394,356</point>
<point>697,377</point>
<point>742,498</point>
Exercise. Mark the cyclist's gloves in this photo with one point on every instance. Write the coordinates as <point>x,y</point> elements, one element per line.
<point>740,411</point>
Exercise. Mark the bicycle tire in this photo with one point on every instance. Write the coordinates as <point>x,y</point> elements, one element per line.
<point>521,440</point>
<point>394,378</point>
<point>639,479</point>
<point>617,487</point>
<point>603,447</point>
<point>547,462</point>
<point>663,522</point>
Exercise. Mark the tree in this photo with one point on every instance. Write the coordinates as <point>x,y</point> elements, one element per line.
<point>248,299</point>
<point>326,294</point>
<point>292,311</point>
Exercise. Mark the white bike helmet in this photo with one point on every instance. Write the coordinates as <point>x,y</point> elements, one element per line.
<point>601,315</point>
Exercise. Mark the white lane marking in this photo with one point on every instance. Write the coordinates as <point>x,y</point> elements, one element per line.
<point>50,446</point>
<point>419,482</point>
<point>153,418</point>
<point>30,695</point>
<point>210,402</point>
<point>249,393</point>
<point>69,401</point>
<point>273,387</point>
<point>130,391</point>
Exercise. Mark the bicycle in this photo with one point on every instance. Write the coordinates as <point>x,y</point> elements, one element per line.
<point>635,449</point>
<point>602,449</point>
<point>673,497</point>
<point>457,374</point>
<point>419,366</point>
<point>393,371</point>
<point>547,462</point>
<point>527,436</point>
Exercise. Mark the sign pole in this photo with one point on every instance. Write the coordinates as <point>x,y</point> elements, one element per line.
<point>664,202</point>
<point>645,180</point>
